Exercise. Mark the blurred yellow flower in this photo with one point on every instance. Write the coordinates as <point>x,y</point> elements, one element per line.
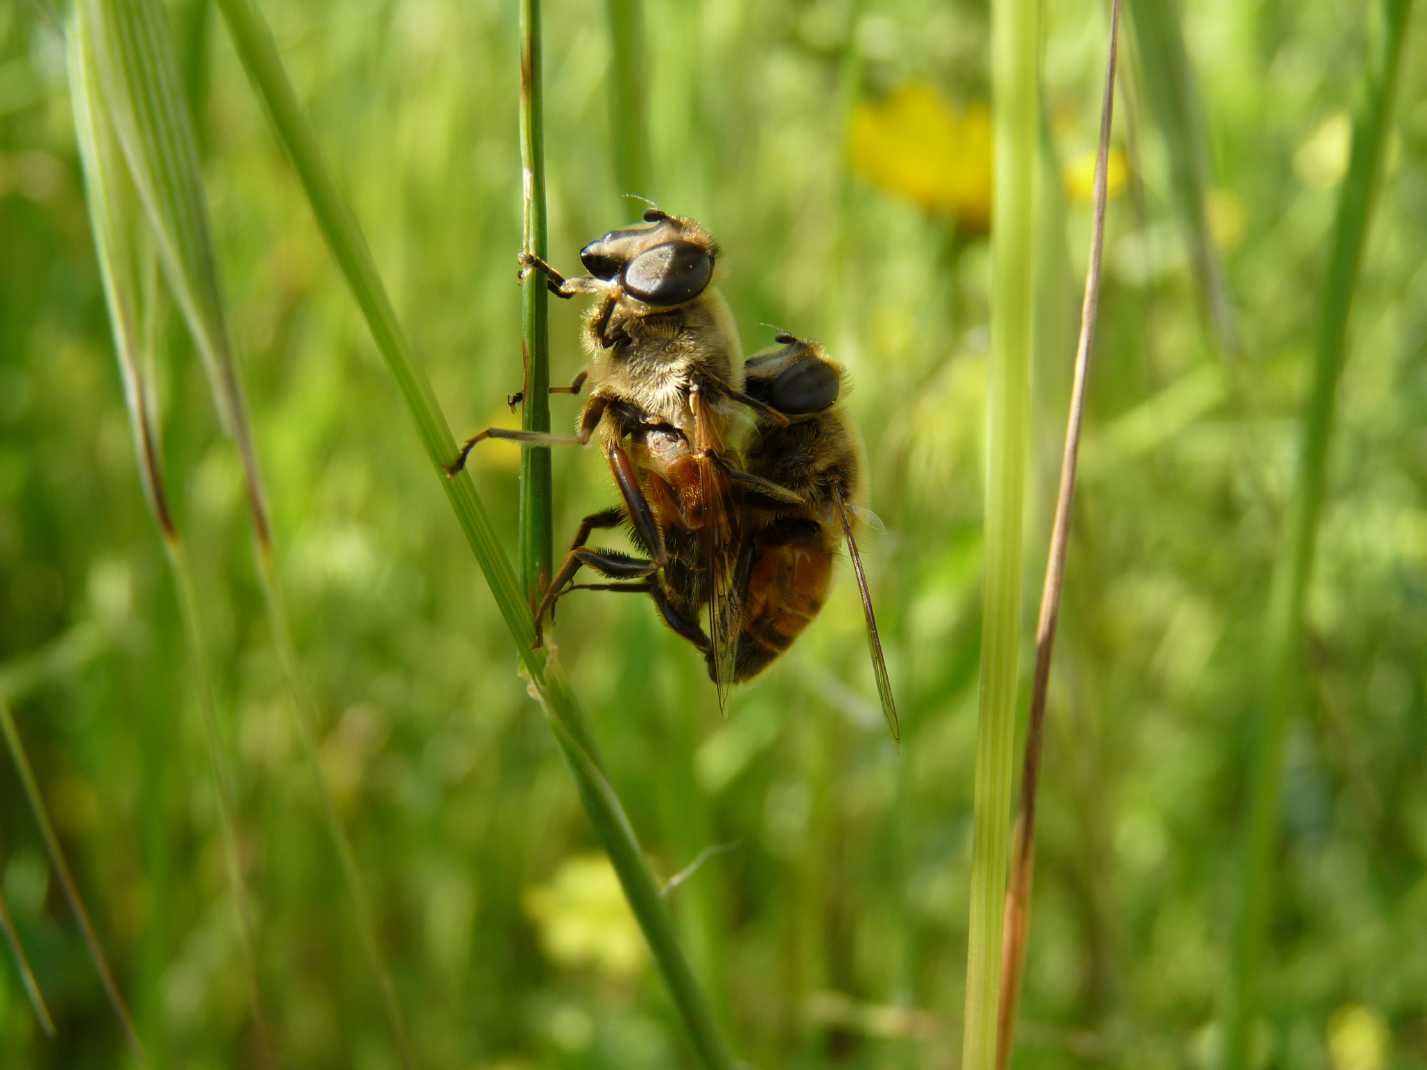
<point>1357,1038</point>
<point>918,145</point>
<point>582,919</point>
<point>1080,175</point>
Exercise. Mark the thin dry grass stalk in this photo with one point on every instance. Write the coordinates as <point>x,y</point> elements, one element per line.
<point>1018,891</point>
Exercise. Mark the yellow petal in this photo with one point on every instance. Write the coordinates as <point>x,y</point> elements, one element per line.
<point>1080,175</point>
<point>917,145</point>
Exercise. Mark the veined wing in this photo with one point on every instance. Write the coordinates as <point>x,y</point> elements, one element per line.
<point>874,641</point>
<point>720,546</point>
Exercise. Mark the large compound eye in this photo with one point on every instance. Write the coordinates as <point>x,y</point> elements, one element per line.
<point>805,386</point>
<point>669,274</point>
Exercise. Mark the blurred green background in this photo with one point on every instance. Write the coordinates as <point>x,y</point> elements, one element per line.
<point>840,156</point>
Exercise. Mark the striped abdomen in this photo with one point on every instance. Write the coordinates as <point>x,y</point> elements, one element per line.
<point>786,586</point>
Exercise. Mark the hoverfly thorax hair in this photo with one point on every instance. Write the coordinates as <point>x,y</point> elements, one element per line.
<point>670,262</point>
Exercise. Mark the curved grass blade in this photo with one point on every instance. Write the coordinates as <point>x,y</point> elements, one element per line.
<point>1015,44</point>
<point>113,217</point>
<point>1283,683</point>
<point>1018,893</point>
<point>348,245</point>
<point>137,69</point>
<point>138,78</point>
<point>66,878</point>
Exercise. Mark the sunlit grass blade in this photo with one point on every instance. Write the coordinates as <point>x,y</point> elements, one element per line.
<point>65,877</point>
<point>139,82</point>
<point>1173,100</point>
<point>1283,684</point>
<point>113,215</point>
<point>349,248</point>
<point>628,106</point>
<point>535,507</point>
<point>1018,893</point>
<point>134,51</point>
<point>27,974</point>
<point>109,198</point>
<point>1015,45</point>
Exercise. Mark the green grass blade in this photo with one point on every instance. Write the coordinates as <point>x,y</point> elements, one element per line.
<point>138,75</point>
<point>1284,690</point>
<point>344,237</point>
<point>645,896</point>
<point>535,508</point>
<point>628,115</point>
<point>27,975</point>
<point>1169,86</point>
<point>1015,44</point>
<point>135,57</point>
<point>110,196</point>
<point>113,214</point>
<point>65,877</point>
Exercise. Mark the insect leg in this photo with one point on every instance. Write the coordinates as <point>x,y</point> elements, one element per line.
<point>606,518</point>
<point>770,494</point>
<point>611,563</point>
<point>761,407</point>
<point>554,281</point>
<point>589,420</point>
<point>576,385</point>
<point>641,514</point>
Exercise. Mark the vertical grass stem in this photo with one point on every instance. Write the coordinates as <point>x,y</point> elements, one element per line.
<point>1015,44</point>
<point>535,489</point>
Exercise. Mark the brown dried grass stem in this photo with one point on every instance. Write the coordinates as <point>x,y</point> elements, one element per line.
<point>1018,891</point>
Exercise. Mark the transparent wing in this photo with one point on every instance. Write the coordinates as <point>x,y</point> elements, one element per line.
<point>874,641</point>
<point>720,548</point>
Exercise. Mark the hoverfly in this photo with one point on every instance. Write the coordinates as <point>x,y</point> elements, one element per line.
<point>666,396</point>
<point>786,554</point>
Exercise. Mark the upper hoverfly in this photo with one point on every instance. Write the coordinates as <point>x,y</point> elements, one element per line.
<point>666,396</point>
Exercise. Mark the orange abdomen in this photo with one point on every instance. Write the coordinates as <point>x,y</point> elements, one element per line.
<point>787,585</point>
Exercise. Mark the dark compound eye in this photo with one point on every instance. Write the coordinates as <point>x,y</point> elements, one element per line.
<point>803,387</point>
<point>669,274</point>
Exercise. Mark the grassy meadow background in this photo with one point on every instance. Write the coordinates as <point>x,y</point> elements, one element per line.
<point>841,157</point>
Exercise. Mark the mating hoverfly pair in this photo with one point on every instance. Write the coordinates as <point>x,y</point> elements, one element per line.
<point>739,480</point>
